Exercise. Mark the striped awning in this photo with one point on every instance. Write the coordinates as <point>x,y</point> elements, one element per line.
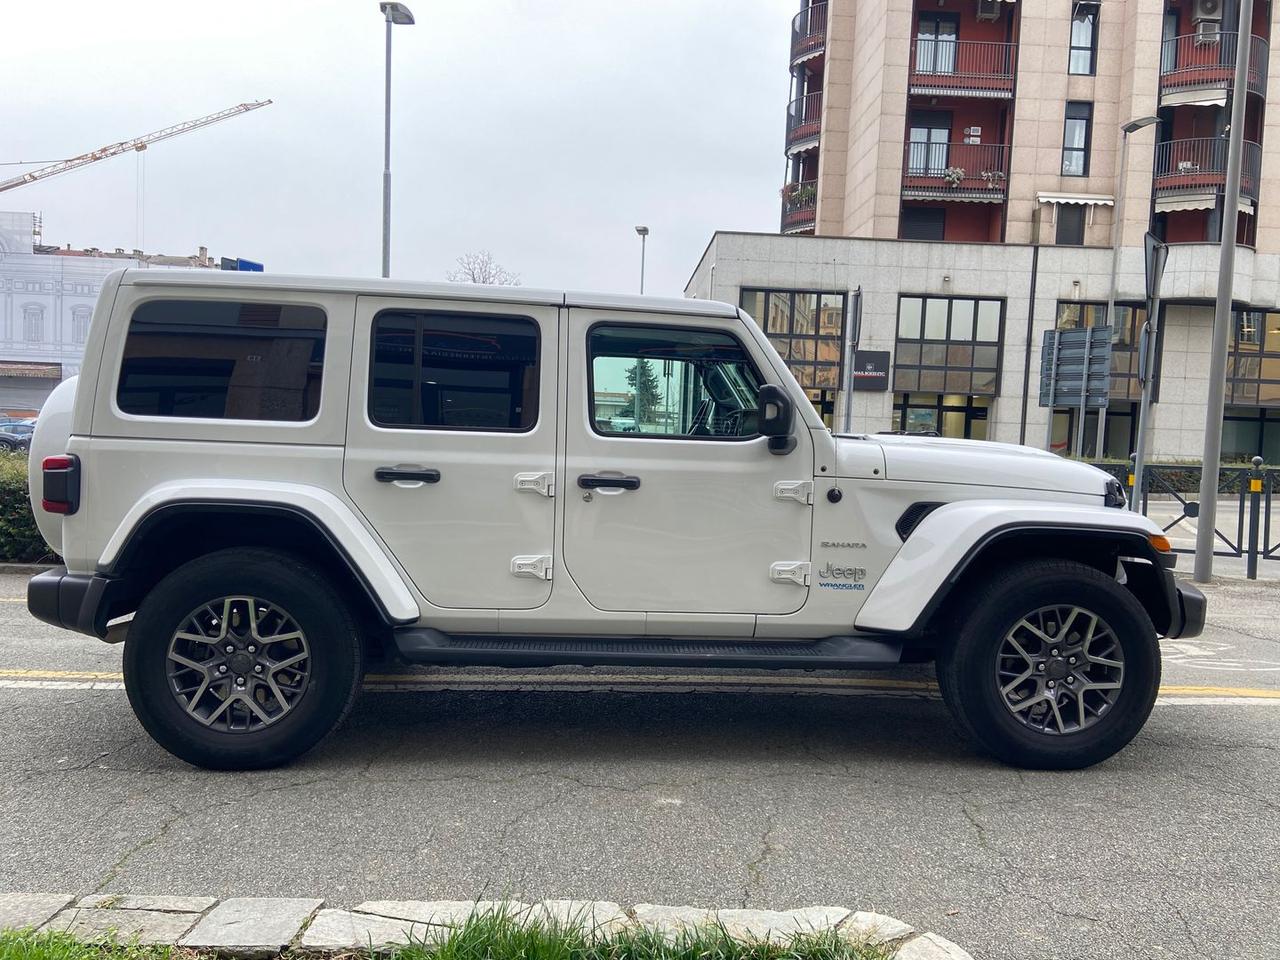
<point>42,371</point>
<point>1196,201</point>
<point>1085,199</point>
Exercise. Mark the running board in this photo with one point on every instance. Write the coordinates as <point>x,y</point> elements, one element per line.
<point>864,652</point>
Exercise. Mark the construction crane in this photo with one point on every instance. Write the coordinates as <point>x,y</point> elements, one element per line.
<point>138,143</point>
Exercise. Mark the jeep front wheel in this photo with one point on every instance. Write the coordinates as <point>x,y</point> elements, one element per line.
<point>241,659</point>
<point>1054,665</point>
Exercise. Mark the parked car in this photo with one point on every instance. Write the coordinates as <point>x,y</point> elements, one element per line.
<point>261,483</point>
<point>16,434</point>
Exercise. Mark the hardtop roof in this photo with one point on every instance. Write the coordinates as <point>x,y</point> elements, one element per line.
<point>376,287</point>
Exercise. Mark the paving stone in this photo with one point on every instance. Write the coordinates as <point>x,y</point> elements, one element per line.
<point>779,926</point>
<point>21,910</point>
<point>251,926</point>
<point>671,922</point>
<point>116,901</point>
<point>346,930</point>
<point>930,946</point>
<point>598,918</point>
<point>874,929</point>
<point>144,926</point>
<point>450,913</point>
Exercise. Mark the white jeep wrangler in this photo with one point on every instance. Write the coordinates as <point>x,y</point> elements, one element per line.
<point>260,483</point>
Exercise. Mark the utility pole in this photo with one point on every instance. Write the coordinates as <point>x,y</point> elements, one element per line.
<point>1207,523</point>
<point>395,13</point>
<point>643,233</point>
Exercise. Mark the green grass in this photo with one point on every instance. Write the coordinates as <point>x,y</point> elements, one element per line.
<point>497,937</point>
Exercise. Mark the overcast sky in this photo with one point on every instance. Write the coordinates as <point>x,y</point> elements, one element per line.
<point>542,130</point>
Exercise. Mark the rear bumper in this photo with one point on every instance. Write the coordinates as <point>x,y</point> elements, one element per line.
<point>1188,616</point>
<point>73,601</point>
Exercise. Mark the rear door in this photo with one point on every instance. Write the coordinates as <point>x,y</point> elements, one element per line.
<point>451,445</point>
<point>677,504</point>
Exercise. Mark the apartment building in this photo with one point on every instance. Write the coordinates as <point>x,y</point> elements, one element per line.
<point>946,158</point>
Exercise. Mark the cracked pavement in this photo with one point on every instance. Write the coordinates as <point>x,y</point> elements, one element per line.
<point>706,798</point>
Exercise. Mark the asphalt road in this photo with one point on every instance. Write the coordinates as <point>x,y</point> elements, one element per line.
<point>741,789</point>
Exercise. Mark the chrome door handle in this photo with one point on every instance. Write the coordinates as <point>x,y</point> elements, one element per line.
<point>420,474</point>
<point>598,481</point>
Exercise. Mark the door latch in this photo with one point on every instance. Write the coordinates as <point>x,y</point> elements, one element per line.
<point>539,483</point>
<point>790,572</point>
<point>535,568</point>
<point>801,491</point>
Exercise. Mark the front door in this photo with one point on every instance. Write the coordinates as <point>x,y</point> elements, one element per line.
<point>674,503</point>
<point>451,445</point>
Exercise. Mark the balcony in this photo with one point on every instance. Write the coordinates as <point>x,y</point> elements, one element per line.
<point>1199,67</point>
<point>972,172</point>
<point>809,33</point>
<point>804,122</point>
<point>799,206</point>
<point>965,68</point>
<point>1190,174</point>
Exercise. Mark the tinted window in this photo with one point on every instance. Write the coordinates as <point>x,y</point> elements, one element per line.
<point>223,359</point>
<point>1070,224</point>
<point>447,371</point>
<point>661,381</point>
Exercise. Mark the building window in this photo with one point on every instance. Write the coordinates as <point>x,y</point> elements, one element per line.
<point>948,345</point>
<point>33,323</point>
<point>1251,432</point>
<point>1126,340</point>
<point>223,360</point>
<point>80,324</point>
<point>945,415</point>
<point>807,330</point>
<point>676,383</point>
<point>923,223</point>
<point>1070,225</point>
<point>1077,137</point>
<point>1253,367</point>
<point>1084,39</point>
<point>936,36</point>
<point>454,371</point>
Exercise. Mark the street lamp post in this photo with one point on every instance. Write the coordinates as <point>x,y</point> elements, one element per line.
<point>395,14</point>
<point>644,235</point>
<point>1117,239</point>
<point>1222,316</point>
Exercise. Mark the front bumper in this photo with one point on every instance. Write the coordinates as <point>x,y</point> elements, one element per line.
<point>74,601</point>
<point>1188,617</point>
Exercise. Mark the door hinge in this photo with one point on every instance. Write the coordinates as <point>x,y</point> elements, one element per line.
<point>800,491</point>
<point>790,572</point>
<point>535,568</point>
<point>539,483</point>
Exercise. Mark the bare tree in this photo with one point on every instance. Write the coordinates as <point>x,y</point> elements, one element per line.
<point>480,267</point>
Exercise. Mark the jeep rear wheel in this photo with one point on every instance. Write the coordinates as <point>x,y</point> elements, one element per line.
<point>1054,665</point>
<point>242,659</point>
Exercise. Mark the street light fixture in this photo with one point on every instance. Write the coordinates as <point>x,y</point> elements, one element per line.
<point>396,14</point>
<point>643,232</point>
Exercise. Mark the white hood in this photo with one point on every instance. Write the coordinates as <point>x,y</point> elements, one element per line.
<point>979,462</point>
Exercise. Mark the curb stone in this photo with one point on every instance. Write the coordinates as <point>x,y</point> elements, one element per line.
<point>260,927</point>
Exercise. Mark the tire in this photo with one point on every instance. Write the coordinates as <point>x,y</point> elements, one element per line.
<point>305,625</point>
<point>995,645</point>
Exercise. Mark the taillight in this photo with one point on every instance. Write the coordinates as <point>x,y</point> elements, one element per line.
<point>61,484</point>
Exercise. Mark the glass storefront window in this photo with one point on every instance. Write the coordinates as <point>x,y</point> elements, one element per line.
<point>909,318</point>
<point>952,340</point>
<point>935,319</point>
<point>807,329</point>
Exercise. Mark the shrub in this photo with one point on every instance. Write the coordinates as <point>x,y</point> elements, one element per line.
<point>20,540</point>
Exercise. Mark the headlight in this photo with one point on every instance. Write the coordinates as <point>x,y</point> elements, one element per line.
<point>1114,497</point>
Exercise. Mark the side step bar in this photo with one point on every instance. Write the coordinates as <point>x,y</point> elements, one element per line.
<point>861,652</point>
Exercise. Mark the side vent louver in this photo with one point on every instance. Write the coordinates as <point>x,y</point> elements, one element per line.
<point>912,516</point>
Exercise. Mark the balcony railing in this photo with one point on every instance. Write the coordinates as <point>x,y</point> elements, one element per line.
<point>969,68</point>
<point>799,206</point>
<point>955,171</point>
<point>1200,166</point>
<point>804,121</point>
<point>809,32</point>
<point>1198,62</point>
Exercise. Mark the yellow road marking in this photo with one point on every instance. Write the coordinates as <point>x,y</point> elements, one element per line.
<point>597,679</point>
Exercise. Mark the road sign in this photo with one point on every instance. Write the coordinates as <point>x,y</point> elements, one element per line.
<point>239,263</point>
<point>1067,358</point>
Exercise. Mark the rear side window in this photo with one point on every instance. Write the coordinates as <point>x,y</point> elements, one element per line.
<point>453,371</point>
<point>223,360</point>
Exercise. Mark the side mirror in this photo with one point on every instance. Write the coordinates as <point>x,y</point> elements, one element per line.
<point>775,415</point>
